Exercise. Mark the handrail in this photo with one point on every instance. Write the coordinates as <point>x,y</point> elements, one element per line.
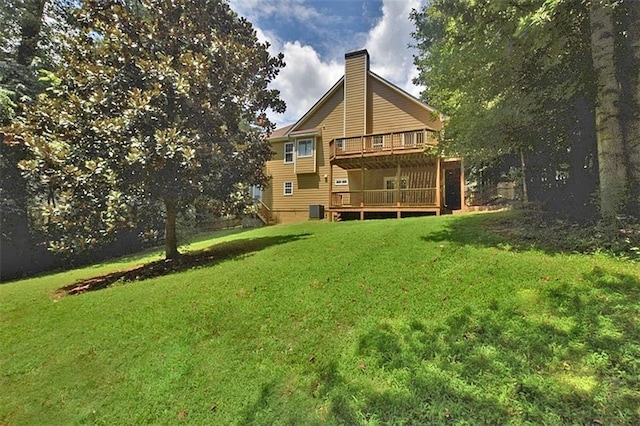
<point>264,212</point>
<point>381,142</point>
<point>384,198</point>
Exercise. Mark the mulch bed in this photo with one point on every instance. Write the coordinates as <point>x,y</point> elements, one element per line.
<point>208,257</point>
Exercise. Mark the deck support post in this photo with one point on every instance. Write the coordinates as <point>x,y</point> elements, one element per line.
<point>463,206</point>
<point>330,191</point>
<point>438,183</point>
<point>397,189</point>
<point>362,183</point>
<point>361,214</point>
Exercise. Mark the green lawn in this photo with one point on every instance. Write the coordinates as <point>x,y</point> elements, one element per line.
<point>413,321</point>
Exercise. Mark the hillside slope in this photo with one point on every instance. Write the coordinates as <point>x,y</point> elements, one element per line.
<point>413,321</point>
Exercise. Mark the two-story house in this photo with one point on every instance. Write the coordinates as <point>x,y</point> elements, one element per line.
<point>364,150</point>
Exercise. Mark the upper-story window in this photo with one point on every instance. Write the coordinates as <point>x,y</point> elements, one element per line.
<point>378,141</point>
<point>288,153</point>
<point>305,148</point>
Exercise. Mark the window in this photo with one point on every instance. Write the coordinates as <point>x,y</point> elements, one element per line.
<point>340,144</point>
<point>288,153</point>
<point>305,148</point>
<point>413,138</point>
<point>288,188</point>
<point>378,141</point>
<point>342,182</point>
<point>409,138</point>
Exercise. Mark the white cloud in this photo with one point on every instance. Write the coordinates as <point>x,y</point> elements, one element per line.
<point>307,75</point>
<point>304,80</point>
<point>295,10</point>
<point>388,44</point>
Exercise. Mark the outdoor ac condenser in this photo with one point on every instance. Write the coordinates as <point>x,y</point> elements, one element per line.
<point>316,211</point>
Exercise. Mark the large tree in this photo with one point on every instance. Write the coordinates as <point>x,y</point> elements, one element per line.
<point>158,101</point>
<point>517,78</point>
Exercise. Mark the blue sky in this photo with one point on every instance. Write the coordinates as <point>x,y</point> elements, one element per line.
<point>314,35</point>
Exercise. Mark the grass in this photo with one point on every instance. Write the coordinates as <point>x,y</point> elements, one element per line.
<point>414,321</point>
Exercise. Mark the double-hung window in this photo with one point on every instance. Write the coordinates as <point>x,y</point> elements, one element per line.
<point>288,153</point>
<point>288,188</point>
<point>305,148</point>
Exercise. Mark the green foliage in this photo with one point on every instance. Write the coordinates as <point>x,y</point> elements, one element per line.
<point>157,101</point>
<point>514,77</point>
<point>7,106</point>
<point>413,321</point>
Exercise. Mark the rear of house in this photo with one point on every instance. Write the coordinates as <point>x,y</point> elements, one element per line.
<point>365,149</point>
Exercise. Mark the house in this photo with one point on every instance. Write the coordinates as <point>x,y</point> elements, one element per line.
<point>364,150</point>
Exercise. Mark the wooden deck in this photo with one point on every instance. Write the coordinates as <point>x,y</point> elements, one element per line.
<point>414,141</point>
<point>414,197</point>
<point>394,201</point>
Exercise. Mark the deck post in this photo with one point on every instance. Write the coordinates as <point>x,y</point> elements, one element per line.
<point>362,183</point>
<point>330,191</point>
<point>397,191</point>
<point>361,214</point>
<point>438,183</point>
<point>463,206</point>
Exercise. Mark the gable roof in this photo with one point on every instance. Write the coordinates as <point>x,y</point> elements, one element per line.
<point>403,92</point>
<point>280,133</point>
<point>285,132</point>
<point>318,104</point>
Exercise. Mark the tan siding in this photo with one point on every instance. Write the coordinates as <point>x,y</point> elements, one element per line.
<point>310,188</point>
<point>392,111</point>
<point>326,110</point>
<point>355,78</point>
<point>305,165</point>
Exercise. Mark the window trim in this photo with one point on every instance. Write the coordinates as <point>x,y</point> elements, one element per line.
<point>377,141</point>
<point>284,188</point>
<point>341,182</point>
<point>293,150</point>
<point>312,147</point>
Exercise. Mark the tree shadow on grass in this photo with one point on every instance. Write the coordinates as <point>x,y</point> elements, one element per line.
<point>568,354</point>
<point>563,354</point>
<point>207,257</point>
<point>529,229</point>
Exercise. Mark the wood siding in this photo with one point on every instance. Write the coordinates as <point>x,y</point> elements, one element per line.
<point>310,188</point>
<point>355,80</point>
<point>393,111</point>
<point>306,165</point>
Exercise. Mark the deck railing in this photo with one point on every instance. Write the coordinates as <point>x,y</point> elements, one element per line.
<point>413,197</point>
<point>381,143</point>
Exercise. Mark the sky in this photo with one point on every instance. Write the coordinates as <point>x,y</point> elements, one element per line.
<point>314,35</point>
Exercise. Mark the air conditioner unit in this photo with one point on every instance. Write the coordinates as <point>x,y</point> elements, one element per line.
<point>316,211</point>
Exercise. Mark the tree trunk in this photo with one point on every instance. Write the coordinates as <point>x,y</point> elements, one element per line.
<point>525,191</point>
<point>170,237</point>
<point>611,152</point>
<point>30,31</point>
<point>632,127</point>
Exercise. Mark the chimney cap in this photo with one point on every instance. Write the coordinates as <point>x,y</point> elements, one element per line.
<point>355,53</point>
